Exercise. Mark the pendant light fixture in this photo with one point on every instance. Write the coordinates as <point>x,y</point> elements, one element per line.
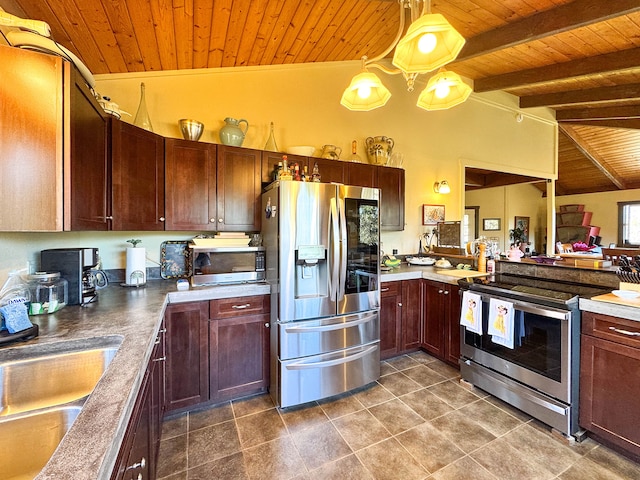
<point>430,43</point>
<point>444,90</point>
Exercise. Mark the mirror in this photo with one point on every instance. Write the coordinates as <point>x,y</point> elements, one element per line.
<point>498,200</point>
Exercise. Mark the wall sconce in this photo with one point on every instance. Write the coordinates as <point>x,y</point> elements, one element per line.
<point>442,187</point>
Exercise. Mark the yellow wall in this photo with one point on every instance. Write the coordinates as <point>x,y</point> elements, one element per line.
<point>303,102</point>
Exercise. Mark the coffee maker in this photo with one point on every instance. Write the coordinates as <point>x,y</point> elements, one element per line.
<point>74,265</point>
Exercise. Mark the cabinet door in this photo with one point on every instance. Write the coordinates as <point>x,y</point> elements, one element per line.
<point>610,391</point>
<point>190,185</point>
<point>187,360</point>
<point>271,159</point>
<point>157,388</point>
<point>362,175</point>
<point>90,186</point>
<point>137,158</point>
<point>390,319</point>
<point>433,317</point>
<point>239,355</point>
<point>31,140</point>
<point>239,189</point>
<point>330,170</point>
<point>411,314</point>
<point>391,185</point>
<point>452,325</point>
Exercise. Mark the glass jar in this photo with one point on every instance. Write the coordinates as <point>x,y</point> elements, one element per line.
<point>48,292</point>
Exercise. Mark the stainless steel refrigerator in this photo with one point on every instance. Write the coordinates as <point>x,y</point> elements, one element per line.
<point>323,265</point>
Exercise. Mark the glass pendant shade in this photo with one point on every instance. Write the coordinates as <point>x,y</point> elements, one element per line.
<point>430,43</point>
<point>444,90</point>
<point>366,92</point>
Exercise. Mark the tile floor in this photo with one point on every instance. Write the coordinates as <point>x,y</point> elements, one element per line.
<point>416,422</point>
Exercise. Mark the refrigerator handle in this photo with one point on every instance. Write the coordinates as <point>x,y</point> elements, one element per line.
<point>335,250</point>
<point>343,249</point>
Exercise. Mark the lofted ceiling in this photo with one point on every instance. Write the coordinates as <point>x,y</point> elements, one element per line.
<point>578,57</point>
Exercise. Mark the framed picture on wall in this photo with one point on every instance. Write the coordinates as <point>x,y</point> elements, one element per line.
<point>432,214</point>
<point>489,224</point>
<point>523,224</point>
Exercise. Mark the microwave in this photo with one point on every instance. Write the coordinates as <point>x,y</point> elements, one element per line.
<point>226,265</point>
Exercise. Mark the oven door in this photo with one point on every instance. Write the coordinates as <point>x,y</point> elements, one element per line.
<point>541,357</point>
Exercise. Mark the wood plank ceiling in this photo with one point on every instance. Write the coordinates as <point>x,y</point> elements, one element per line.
<point>578,57</point>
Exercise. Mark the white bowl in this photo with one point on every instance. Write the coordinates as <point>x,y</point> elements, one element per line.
<point>626,294</point>
<point>302,150</point>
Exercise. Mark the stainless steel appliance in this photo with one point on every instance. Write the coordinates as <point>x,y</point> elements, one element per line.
<point>540,375</point>
<point>74,265</point>
<point>223,265</point>
<point>322,255</point>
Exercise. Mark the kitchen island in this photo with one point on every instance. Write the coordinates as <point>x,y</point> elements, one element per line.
<point>132,315</point>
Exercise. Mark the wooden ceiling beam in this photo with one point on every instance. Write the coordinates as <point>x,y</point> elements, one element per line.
<point>569,16</point>
<point>622,93</point>
<point>630,123</point>
<point>602,113</point>
<point>609,62</point>
<point>593,157</point>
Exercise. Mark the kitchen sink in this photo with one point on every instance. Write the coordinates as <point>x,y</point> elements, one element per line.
<point>27,441</point>
<point>52,378</point>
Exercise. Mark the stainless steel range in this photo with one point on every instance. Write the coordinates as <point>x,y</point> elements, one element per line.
<point>540,374</point>
<point>322,256</point>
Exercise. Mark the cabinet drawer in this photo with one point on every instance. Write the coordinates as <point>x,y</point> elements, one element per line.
<point>619,330</point>
<point>238,306</point>
<point>390,288</point>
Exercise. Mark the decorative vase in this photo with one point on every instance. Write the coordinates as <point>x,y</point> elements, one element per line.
<point>142,118</point>
<point>331,151</point>
<point>231,133</point>
<point>379,149</point>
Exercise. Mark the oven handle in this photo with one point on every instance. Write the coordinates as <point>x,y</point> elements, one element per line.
<point>328,328</point>
<point>332,363</point>
<point>532,308</point>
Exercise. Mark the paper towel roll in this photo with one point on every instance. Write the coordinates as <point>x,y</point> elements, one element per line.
<point>136,271</point>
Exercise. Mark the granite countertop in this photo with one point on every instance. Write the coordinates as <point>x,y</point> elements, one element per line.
<point>409,272</point>
<point>612,309</point>
<point>132,316</point>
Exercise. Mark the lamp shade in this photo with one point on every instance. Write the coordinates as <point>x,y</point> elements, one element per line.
<point>430,43</point>
<point>365,92</point>
<point>444,90</point>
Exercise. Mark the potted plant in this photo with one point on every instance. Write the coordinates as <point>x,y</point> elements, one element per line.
<point>518,237</point>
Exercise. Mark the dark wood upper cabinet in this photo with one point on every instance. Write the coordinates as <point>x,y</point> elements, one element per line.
<point>362,175</point>
<point>330,170</point>
<point>391,185</point>
<point>137,178</point>
<point>90,185</point>
<point>190,185</point>
<point>238,189</point>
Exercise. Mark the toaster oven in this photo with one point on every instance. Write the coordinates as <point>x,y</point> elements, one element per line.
<point>227,265</point>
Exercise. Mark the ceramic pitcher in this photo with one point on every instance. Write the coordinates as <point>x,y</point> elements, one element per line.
<point>231,133</point>
<point>331,151</point>
<point>379,149</point>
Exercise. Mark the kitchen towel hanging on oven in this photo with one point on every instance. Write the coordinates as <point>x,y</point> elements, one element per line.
<point>501,317</point>
<point>471,312</point>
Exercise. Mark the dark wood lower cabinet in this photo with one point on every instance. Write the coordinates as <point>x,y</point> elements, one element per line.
<point>390,319</point>
<point>441,327</point>
<point>411,315</point>
<point>609,385</point>
<point>239,346</point>
<point>187,365</point>
<point>138,453</point>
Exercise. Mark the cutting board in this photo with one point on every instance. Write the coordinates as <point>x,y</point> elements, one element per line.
<point>461,273</point>
<point>611,298</point>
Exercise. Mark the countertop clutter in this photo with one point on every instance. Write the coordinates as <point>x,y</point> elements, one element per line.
<point>134,316</point>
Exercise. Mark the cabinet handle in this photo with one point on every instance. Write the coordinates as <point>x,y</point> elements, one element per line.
<point>241,307</point>
<point>440,291</point>
<point>110,217</point>
<point>384,289</point>
<point>159,359</point>
<point>163,330</point>
<point>221,220</point>
<point>446,292</point>
<point>267,325</point>
<point>212,220</point>
<point>399,304</point>
<point>141,464</point>
<point>162,219</point>
<point>625,332</point>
